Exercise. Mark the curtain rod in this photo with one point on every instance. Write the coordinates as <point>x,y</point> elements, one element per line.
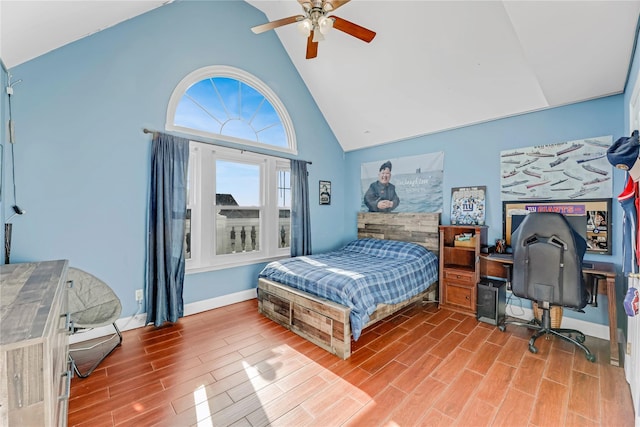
<point>145,130</point>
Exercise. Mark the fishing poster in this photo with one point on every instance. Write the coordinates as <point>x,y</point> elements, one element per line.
<point>567,170</point>
<point>404,184</point>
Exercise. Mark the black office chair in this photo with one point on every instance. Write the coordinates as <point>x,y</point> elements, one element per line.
<point>547,269</point>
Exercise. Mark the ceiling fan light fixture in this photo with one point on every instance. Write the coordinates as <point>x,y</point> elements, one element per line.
<point>305,26</point>
<point>317,36</point>
<point>325,24</point>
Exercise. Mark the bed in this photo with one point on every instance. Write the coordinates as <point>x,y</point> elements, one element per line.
<point>330,316</point>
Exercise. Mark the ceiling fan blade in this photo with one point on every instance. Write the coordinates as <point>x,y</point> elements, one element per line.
<point>277,23</point>
<point>352,29</point>
<point>306,4</point>
<point>312,47</point>
<point>332,4</point>
<point>336,3</point>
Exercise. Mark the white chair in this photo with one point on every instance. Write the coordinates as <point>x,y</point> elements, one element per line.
<point>92,304</point>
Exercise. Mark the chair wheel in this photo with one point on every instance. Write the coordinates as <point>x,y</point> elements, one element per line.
<point>591,357</point>
<point>533,349</point>
<point>502,328</point>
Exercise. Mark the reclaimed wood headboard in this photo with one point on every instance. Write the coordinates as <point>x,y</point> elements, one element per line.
<point>420,228</point>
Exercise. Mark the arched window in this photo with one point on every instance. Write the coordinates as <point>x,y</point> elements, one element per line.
<point>231,105</point>
<point>238,201</point>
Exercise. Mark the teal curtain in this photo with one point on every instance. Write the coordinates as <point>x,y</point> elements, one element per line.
<point>300,214</point>
<point>167,213</point>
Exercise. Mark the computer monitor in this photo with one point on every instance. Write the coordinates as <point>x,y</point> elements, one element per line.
<point>577,222</point>
<point>590,218</point>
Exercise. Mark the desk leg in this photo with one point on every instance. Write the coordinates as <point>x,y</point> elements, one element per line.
<point>613,321</point>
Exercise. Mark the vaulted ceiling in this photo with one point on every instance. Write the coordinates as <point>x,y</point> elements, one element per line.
<point>433,65</point>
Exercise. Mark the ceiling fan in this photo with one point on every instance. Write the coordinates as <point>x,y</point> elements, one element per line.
<point>316,22</point>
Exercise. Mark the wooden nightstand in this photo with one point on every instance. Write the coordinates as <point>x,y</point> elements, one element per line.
<point>460,266</point>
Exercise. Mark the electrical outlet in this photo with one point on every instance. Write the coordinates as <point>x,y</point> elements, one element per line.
<point>629,348</point>
<point>139,295</point>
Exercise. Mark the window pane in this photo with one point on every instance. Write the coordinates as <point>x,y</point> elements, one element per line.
<point>284,224</point>
<point>267,116</point>
<point>238,230</point>
<point>189,115</point>
<point>238,129</point>
<point>284,189</point>
<point>274,135</point>
<point>255,106</point>
<point>187,235</point>
<point>205,95</point>
<point>237,184</point>
<point>284,205</point>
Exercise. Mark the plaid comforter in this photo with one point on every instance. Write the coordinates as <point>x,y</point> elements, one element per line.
<point>361,275</point>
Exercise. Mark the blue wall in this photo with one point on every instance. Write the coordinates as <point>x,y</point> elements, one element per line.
<point>472,154</point>
<point>4,162</point>
<point>82,161</point>
<point>472,157</point>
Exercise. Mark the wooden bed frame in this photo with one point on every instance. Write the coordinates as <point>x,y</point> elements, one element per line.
<point>326,323</point>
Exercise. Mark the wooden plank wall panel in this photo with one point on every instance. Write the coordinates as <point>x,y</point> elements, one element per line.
<point>420,228</point>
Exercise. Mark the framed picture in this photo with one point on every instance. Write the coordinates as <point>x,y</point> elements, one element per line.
<point>325,192</point>
<point>467,205</point>
<point>590,218</point>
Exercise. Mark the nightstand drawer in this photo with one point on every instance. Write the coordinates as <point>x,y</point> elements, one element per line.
<point>460,296</point>
<point>460,276</point>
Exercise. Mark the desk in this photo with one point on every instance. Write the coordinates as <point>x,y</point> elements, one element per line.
<point>495,267</point>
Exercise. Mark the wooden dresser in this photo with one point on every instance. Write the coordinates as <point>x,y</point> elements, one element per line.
<point>35,373</point>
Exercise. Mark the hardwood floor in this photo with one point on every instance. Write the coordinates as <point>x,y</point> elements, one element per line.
<point>231,366</point>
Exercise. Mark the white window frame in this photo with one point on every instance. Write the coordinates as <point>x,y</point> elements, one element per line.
<point>202,189</point>
<point>202,193</point>
<point>242,76</point>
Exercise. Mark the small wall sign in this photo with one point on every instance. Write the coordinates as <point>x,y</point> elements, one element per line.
<point>325,192</point>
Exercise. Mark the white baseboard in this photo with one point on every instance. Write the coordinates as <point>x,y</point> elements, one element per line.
<point>591,329</point>
<point>210,304</point>
<point>138,320</point>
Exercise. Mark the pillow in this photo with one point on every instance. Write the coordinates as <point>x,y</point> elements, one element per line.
<point>386,248</point>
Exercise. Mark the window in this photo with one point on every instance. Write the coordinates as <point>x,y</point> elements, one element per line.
<point>238,209</point>
<point>238,202</point>
<point>230,105</point>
